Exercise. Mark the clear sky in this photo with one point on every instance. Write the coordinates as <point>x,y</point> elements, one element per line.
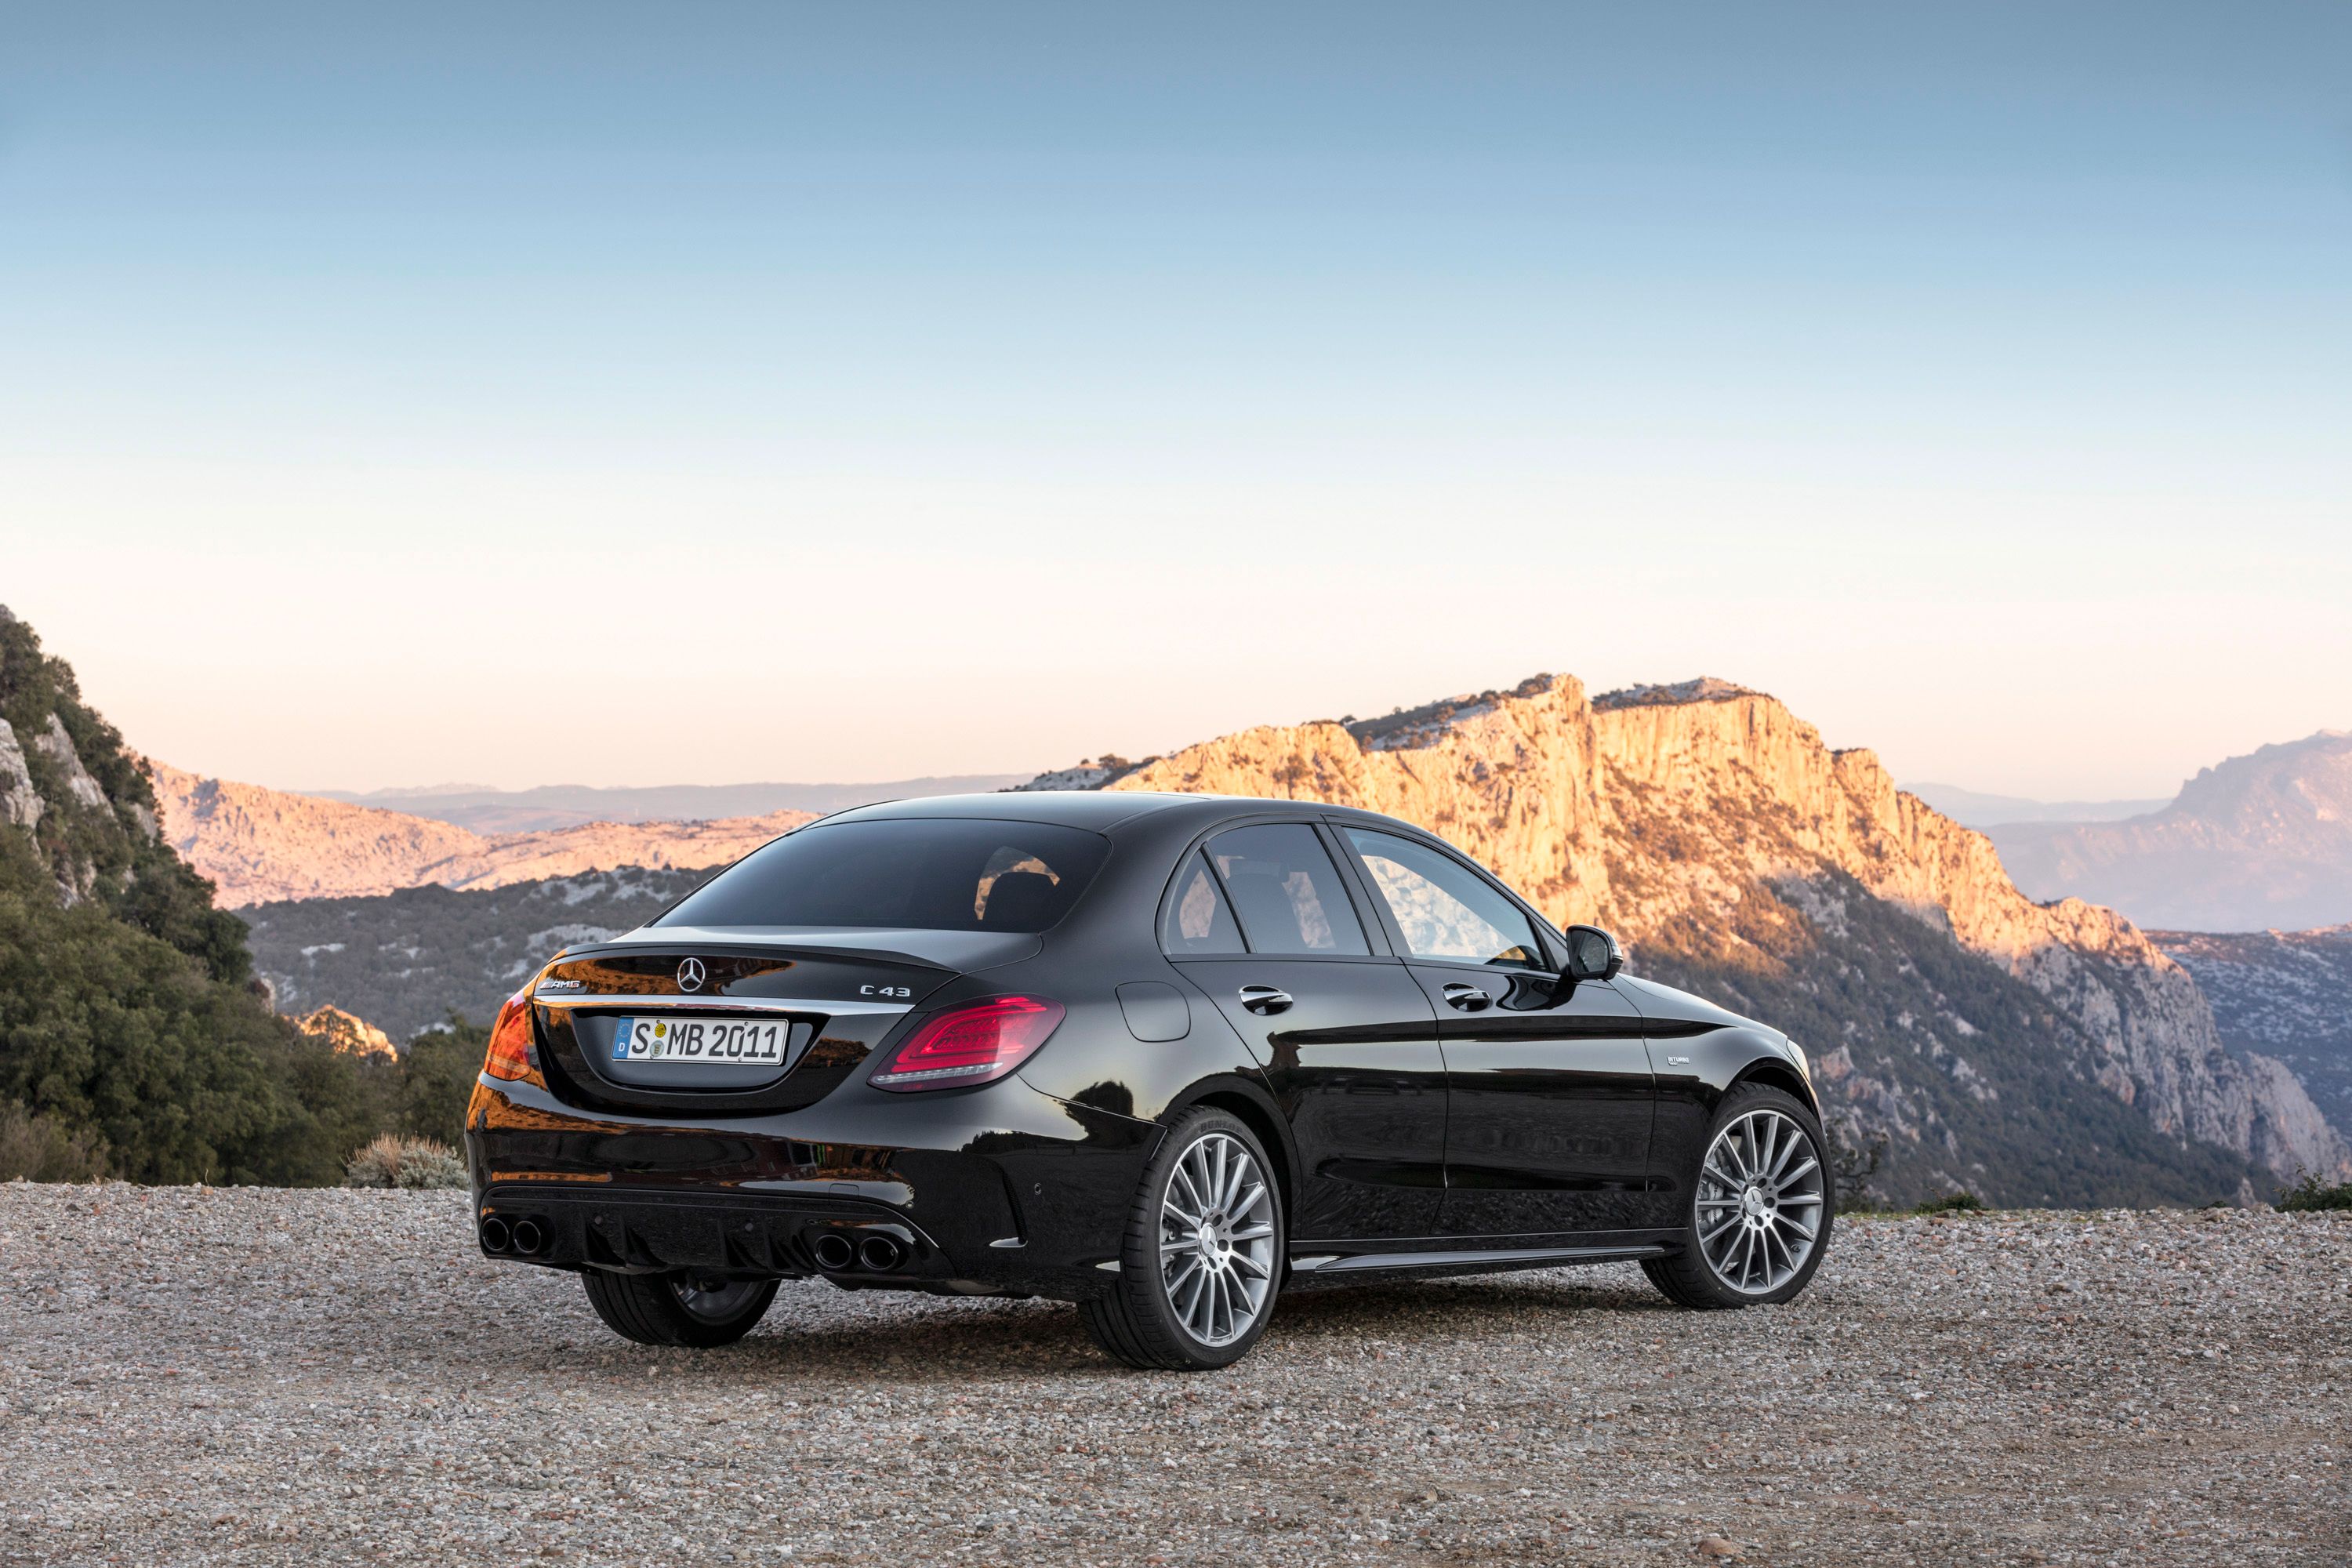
<point>399,394</point>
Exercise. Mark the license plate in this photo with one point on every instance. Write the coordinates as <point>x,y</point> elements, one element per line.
<point>724,1042</point>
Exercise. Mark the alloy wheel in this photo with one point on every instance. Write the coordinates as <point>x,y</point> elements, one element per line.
<point>1760,1199</point>
<point>1217,1240</point>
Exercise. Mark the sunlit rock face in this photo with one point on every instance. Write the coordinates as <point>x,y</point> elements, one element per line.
<point>1711,828</point>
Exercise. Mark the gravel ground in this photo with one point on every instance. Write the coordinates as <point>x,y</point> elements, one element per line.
<point>245,1376</point>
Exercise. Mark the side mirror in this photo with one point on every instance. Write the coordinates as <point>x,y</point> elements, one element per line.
<point>1593,954</point>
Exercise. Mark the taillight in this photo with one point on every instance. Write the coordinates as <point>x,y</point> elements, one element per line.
<point>510,1053</point>
<point>978,1042</point>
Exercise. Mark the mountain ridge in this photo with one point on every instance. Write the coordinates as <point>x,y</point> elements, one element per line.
<point>488,810</point>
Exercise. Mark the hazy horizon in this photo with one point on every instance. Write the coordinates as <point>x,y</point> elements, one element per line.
<point>789,393</point>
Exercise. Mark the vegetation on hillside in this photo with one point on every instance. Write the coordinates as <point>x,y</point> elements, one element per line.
<point>133,1042</point>
<point>404,960</point>
<point>1972,1072</point>
<point>2311,1195</point>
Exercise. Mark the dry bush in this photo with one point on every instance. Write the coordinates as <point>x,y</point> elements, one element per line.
<point>396,1162</point>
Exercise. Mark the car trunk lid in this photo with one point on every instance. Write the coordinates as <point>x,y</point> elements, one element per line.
<point>750,1020</point>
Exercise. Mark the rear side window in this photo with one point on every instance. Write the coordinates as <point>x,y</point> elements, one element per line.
<point>1286,890</point>
<point>1198,919</point>
<point>1445,910</point>
<point>960,874</point>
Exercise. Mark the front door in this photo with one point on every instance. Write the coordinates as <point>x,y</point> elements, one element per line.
<point>1346,1038</point>
<point>1549,1094</point>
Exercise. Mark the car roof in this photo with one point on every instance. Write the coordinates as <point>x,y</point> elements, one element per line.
<point>1099,810</point>
<point>1095,809</point>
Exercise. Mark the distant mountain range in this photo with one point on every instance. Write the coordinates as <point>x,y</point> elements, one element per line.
<point>2257,842</point>
<point>1973,808</point>
<point>495,811</point>
<point>258,844</point>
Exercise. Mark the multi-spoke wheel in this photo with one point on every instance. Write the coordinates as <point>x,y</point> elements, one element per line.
<point>1216,1239</point>
<point>1760,1205</point>
<point>1202,1252</point>
<point>677,1308</point>
<point>1759,1201</point>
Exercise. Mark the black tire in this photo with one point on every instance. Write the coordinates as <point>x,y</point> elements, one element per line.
<point>662,1309</point>
<point>1134,1321</point>
<point>1684,1276</point>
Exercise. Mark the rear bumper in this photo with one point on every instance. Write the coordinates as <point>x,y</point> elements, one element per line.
<point>1002,1189</point>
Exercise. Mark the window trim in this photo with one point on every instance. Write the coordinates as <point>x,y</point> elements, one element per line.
<point>1375,926</point>
<point>1549,940</point>
<point>1196,854</point>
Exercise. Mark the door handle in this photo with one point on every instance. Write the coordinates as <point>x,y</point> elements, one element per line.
<point>1265,999</point>
<point>1468,998</point>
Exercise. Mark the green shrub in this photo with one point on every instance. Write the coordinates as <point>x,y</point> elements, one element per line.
<point>42,1149</point>
<point>437,1079</point>
<point>1953,1202</point>
<point>412,1163</point>
<point>2309,1196</point>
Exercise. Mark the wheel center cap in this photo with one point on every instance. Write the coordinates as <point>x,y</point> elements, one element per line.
<point>1752,1201</point>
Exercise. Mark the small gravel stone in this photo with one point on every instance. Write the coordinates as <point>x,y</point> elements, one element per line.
<point>193,1376</point>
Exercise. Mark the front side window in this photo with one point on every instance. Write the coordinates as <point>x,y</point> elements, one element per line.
<point>957,874</point>
<point>1446,911</point>
<point>1286,890</point>
<point>1198,920</point>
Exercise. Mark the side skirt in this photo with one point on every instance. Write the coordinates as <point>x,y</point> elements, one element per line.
<point>1310,1268</point>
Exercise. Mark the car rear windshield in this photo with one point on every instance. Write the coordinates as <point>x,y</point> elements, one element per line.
<point>958,874</point>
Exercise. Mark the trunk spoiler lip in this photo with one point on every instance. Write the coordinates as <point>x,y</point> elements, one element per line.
<point>953,952</point>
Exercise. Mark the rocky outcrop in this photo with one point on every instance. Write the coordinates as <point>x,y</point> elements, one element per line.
<point>259,844</point>
<point>20,803</point>
<point>344,1032</point>
<point>54,743</point>
<point>1686,816</point>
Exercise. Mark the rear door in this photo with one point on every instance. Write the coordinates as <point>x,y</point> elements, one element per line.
<point>1261,920</point>
<point>1550,1093</point>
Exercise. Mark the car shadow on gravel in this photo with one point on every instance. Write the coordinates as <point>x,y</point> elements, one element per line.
<point>921,1340</point>
<point>1421,1309</point>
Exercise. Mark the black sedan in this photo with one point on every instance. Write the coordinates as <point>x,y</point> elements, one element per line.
<point>1165,1057</point>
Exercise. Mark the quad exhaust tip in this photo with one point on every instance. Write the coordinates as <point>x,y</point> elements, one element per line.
<point>520,1237</point>
<point>875,1251</point>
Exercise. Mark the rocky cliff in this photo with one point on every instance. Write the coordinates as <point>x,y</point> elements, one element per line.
<point>2286,994</point>
<point>2253,843</point>
<point>1712,827</point>
<point>258,845</point>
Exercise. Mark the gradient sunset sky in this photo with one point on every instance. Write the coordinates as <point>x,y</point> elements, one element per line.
<point>523,394</point>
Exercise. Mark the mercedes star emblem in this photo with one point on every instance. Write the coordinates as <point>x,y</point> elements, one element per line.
<point>689,976</point>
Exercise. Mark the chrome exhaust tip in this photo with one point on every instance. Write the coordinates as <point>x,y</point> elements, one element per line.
<point>881,1252</point>
<point>496,1237</point>
<point>526,1236</point>
<point>832,1251</point>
